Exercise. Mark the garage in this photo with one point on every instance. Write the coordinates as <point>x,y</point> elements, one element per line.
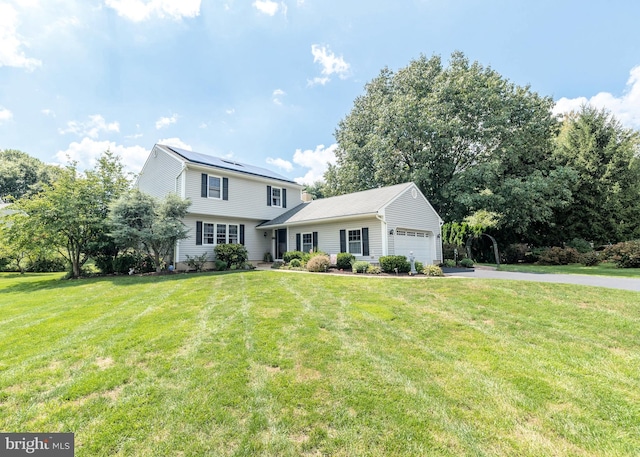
<point>418,242</point>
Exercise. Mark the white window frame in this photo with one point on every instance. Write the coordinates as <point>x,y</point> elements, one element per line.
<point>279,197</point>
<point>229,238</point>
<point>309,244</point>
<point>212,239</point>
<point>219,178</point>
<point>236,237</point>
<point>359,231</point>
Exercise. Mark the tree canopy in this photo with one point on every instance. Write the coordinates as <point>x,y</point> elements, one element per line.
<point>21,174</point>
<point>139,220</point>
<point>474,141</point>
<point>70,214</point>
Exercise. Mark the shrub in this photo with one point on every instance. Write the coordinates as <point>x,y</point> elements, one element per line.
<point>276,265</point>
<point>389,263</point>
<point>467,263</point>
<point>234,254</point>
<point>448,250</point>
<point>290,255</point>
<point>295,263</point>
<point>432,270</point>
<point>589,259</point>
<point>419,266</point>
<point>46,265</point>
<point>559,256</point>
<point>581,245</point>
<point>518,253</point>
<point>374,269</point>
<point>624,255</point>
<point>360,266</point>
<point>345,260</point>
<point>267,257</point>
<point>318,263</point>
<point>220,265</point>
<point>197,262</point>
<point>123,263</point>
<point>449,263</point>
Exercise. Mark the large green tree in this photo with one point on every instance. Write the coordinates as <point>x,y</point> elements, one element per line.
<point>70,214</point>
<point>469,138</point>
<point>21,174</point>
<point>606,194</point>
<point>140,221</point>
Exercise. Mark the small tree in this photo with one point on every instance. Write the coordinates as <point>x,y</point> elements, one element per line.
<point>141,222</point>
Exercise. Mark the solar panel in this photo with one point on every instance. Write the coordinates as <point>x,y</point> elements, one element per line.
<point>203,159</point>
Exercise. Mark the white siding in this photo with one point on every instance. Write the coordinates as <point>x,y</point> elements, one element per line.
<point>247,197</point>
<point>329,236</point>
<point>407,212</point>
<point>254,240</point>
<point>159,174</point>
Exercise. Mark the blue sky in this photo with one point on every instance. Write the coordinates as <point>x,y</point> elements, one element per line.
<point>266,82</point>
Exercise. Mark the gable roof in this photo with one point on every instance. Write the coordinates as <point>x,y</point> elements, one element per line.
<point>226,164</point>
<point>367,202</point>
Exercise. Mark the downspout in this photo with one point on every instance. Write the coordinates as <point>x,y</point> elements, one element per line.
<point>183,190</point>
<point>385,238</point>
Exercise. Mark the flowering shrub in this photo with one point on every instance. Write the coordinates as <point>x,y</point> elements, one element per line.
<point>559,256</point>
<point>625,254</point>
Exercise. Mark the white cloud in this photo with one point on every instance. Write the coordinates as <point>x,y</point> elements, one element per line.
<point>266,6</point>
<point>316,160</point>
<point>91,128</point>
<point>625,108</point>
<point>280,163</point>
<point>318,80</point>
<point>277,96</point>
<point>5,114</point>
<point>177,142</point>
<point>230,111</point>
<point>330,63</point>
<point>87,152</point>
<point>166,121</point>
<point>48,112</point>
<point>141,10</point>
<point>11,54</point>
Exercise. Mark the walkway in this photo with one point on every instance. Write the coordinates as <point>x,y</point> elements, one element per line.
<point>584,280</point>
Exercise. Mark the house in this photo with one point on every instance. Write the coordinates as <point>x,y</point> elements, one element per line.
<point>234,202</point>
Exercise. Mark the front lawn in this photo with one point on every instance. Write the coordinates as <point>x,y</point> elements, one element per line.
<point>603,269</point>
<point>280,364</point>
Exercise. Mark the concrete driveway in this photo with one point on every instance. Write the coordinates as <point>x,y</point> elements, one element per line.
<point>597,281</point>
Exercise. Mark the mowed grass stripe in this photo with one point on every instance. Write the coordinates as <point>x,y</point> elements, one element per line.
<point>266,363</point>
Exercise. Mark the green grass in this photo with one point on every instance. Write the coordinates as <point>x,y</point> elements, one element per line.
<point>285,364</point>
<point>603,269</point>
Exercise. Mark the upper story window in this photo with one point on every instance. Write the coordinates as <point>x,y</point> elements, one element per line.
<point>214,187</point>
<point>277,196</point>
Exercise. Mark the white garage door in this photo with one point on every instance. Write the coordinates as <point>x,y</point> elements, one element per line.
<point>407,241</point>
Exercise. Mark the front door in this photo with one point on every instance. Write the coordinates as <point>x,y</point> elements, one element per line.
<point>281,243</point>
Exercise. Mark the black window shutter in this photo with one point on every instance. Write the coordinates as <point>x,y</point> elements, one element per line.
<point>198,233</point>
<point>365,241</point>
<point>268,195</point>
<point>225,188</point>
<point>205,185</point>
<point>298,242</point>
<point>284,198</point>
<point>241,233</point>
<point>315,241</point>
<point>343,241</point>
